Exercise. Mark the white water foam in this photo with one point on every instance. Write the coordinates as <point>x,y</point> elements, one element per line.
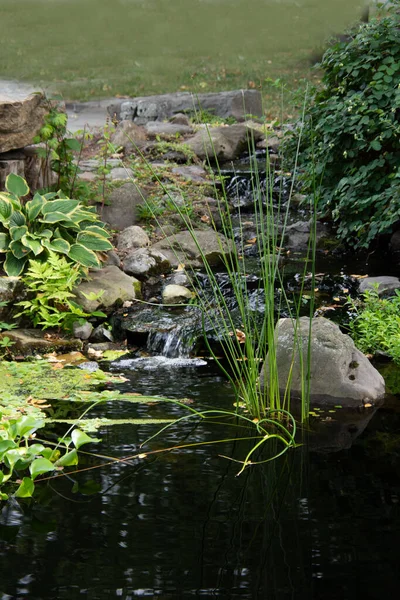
<point>151,363</point>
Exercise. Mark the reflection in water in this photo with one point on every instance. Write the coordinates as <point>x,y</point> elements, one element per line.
<point>181,525</point>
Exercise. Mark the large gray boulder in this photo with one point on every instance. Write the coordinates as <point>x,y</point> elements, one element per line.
<point>340,373</point>
<point>110,285</point>
<point>121,212</point>
<point>140,110</point>
<point>21,116</point>
<point>181,248</point>
<point>223,143</point>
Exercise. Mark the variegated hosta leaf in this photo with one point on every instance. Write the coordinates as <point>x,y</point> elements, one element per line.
<point>14,266</point>
<point>34,206</point>
<point>33,244</point>
<point>59,206</point>
<point>4,242</point>
<point>93,241</point>
<point>16,185</point>
<point>83,256</point>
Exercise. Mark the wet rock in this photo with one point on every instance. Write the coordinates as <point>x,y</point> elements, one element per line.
<point>340,373</point>
<point>235,103</point>
<point>28,342</point>
<point>180,278</point>
<point>181,248</point>
<point>386,284</point>
<point>101,334</point>
<point>131,238</point>
<point>223,143</point>
<point>167,130</point>
<point>116,287</point>
<point>91,366</point>
<point>121,212</point>
<point>298,234</point>
<point>128,136</point>
<point>145,262</point>
<point>82,330</point>
<point>176,294</point>
<point>21,117</point>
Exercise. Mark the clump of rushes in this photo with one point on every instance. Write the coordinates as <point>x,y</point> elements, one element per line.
<point>246,341</point>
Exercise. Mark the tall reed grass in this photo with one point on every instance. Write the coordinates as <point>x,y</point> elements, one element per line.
<point>247,336</point>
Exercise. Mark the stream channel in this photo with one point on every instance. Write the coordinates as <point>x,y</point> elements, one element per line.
<point>321,522</point>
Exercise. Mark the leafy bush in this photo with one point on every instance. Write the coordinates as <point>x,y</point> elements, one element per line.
<point>351,133</point>
<point>51,284</point>
<point>47,223</point>
<point>376,326</point>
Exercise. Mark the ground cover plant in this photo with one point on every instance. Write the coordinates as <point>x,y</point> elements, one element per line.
<point>351,141</point>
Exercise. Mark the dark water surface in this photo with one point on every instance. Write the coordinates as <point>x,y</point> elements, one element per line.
<point>181,525</point>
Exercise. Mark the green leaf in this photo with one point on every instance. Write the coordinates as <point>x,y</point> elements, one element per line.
<point>6,445</point>
<point>17,219</point>
<point>16,185</point>
<point>68,460</point>
<point>34,206</point>
<point>19,250</point>
<point>57,245</point>
<point>376,145</point>
<point>59,206</point>
<point>40,466</point>
<point>93,241</point>
<point>80,437</point>
<point>73,144</point>
<point>4,242</point>
<point>80,215</point>
<point>57,217</point>
<point>98,230</point>
<point>83,256</point>
<point>14,266</point>
<point>12,457</point>
<point>27,425</point>
<point>47,233</point>
<point>16,233</point>
<point>32,244</point>
<point>6,208</point>
<point>25,489</point>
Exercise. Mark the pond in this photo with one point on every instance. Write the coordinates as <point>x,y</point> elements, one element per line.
<point>321,522</point>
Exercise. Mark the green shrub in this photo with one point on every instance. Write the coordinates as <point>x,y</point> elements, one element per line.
<point>376,326</point>
<point>47,223</point>
<point>351,133</point>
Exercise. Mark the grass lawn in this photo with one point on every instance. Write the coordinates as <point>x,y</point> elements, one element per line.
<point>89,49</point>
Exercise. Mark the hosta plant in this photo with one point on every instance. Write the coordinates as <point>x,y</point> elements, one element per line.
<point>47,223</point>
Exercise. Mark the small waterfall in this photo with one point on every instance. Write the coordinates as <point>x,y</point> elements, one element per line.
<point>177,342</point>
